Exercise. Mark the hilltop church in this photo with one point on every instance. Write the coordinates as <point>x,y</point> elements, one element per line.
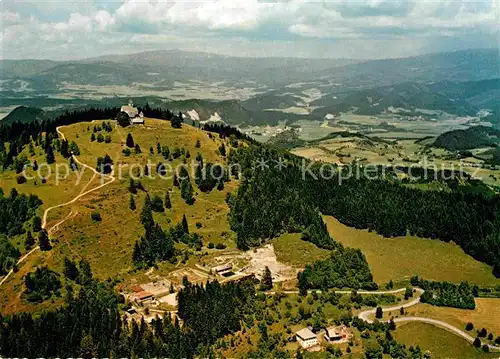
<point>133,113</point>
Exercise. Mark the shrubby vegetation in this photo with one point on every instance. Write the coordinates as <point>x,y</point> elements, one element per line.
<point>15,210</point>
<point>8,255</point>
<point>158,245</point>
<point>346,267</point>
<point>445,294</point>
<point>41,284</point>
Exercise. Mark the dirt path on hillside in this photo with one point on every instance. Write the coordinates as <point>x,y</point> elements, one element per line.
<point>84,192</point>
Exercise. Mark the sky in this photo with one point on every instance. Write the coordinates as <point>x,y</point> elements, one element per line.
<point>357,29</point>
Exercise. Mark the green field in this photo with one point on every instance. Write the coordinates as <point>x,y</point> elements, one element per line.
<point>292,250</point>
<point>400,258</point>
<point>441,343</point>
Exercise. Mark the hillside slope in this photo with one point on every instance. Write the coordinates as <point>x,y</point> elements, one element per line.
<point>24,114</point>
<point>474,137</point>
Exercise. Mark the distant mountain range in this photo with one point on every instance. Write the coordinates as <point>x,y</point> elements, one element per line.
<point>460,83</point>
<point>174,65</point>
<point>459,98</point>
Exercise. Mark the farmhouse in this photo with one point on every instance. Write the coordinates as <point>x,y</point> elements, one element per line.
<point>338,334</point>
<point>306,338</point>
<point>133,113</point>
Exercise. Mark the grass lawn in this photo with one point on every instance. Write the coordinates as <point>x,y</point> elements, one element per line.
<point>292,250</point>
<point>441,343</point>
<point>402,257</point>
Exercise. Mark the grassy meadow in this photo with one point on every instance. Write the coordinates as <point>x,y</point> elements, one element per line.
<point>485,315</point>
<point>400,258</point>
<point>292,250</point>
<point>441,343</point>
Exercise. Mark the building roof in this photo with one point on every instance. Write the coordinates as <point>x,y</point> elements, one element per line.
<point>305,334</point>
<point>333,332</point>
<point>143,295</point>
<point>137,289</point>
<point>336,331</point>
<point>130,110</point>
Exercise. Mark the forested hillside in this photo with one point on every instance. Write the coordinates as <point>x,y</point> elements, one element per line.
<point>90,324</point>
<point>474,137</point>
<point>269,201</point>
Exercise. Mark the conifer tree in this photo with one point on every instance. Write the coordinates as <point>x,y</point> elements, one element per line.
<point>168,203</point>
<point>187,191</point>
<point>267,280</point>
<point>37,224</point>
<point>70,269</point>
<point>185,227</point>
<point>130,141</point>
<point>49,154</point>
<point>30,241</point>
<point>147,214</point>
<point>43,240</point>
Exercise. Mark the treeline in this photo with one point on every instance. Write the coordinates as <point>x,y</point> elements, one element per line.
<point>90,325</point>
<point>268,198</point>
<point>20,134</point>
<point>445,294</point>
<point>346,268</point>
<point>226,131</point>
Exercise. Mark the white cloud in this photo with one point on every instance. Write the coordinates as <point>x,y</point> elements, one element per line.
<point>150,24</point>
<point>103,19</point>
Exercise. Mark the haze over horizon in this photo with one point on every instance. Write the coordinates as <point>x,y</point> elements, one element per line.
<point>368,29</point>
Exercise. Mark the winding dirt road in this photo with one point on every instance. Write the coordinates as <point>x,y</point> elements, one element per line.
<point>71,215</point>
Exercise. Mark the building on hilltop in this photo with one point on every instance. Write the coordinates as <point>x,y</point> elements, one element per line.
<point>133,113</point>
<point>306,338</point>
